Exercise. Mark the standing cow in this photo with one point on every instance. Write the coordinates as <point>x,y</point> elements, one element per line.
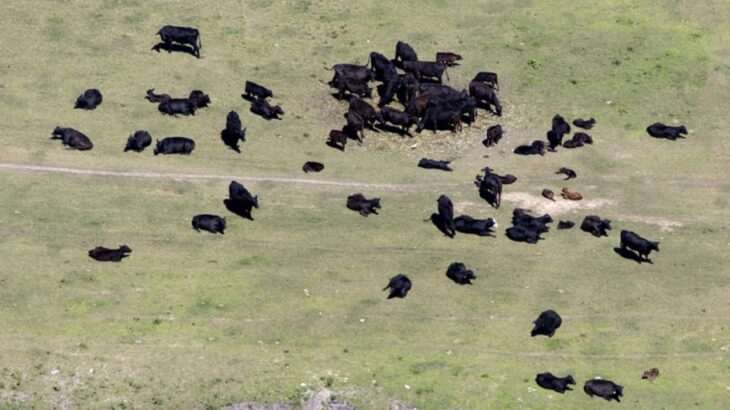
<point>181,35</point>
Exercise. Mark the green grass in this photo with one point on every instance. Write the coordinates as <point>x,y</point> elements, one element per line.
<point>291,302</point>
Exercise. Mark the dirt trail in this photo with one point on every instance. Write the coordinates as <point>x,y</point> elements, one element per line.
<point>177,176</point>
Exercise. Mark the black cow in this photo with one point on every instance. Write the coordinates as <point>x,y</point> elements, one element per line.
<point>460,102</point>
<point>565,224</point>
<point>527,228</point>
<point>560,126</point>
<point>156,98</point>
<point>585,124</point>
<point>210,223</point>
<point>389,90</point>
<point>382,67</point>
<point>481,227</point>
<point>89,100</point>
<point>421,69</point>
<point>485,94</point>
<point>551,382</point>
<point>539,224</point>
<point>460,274</point>
<point>559,129</point>
<point>352,72</point>
<point>72,138</point>
<point>103,254</point>
<point>253,90</point>
<point>547,323</point>
<point>404,52</point>
<point>181,35</point>
<point>520,233</point>
<point>494,134</point>
<point>407,88</point>
<point>582,137</point>
<point>569,173</point>
<point>199,98</point>
<point>352,86</point>
<point>659,130</point>
<point>446,212</point>
<point>337,139</point>
<point>364,206</point>
<point>596,226</point>
<point>490,187</point>
<point>434,164</point>
<point>447,58</point>
<point>238,193</point>
<point>604,388</point>
<point>312,166</point>
<point>233,131</point>
<point>393,116</point>
<point>438,114</point>
<point>265,110</point>
<point>175,106</point>
<point>573,143</point>
<point>138,141</point>
<point>537,147</point>
<point>240,201</point>
<point>355,125</point>
<point>636,243</point>
<point>489,78</point>
<point>554,139</point>
<point>175,145</point>
<point>399,286</point>
<point>365,111</point>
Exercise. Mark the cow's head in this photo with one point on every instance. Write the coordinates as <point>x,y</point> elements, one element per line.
<point>57,132</point>
<point>569,379</point>
<point>654,245</point>
<point>618,390</point>
<point>199,99</point>
<point>255,202</point>
<point>157,147</point>
<point>375,203</point>
<point>125,249</point>
<point>682,129</point>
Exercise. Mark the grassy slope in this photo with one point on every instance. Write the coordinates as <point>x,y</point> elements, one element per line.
<point>192,319</point>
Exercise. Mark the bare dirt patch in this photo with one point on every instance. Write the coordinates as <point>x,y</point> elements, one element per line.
<point>665,225</point>
<point>542,205</point>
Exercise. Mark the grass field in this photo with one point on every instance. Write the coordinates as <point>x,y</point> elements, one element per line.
<point>291,303</point>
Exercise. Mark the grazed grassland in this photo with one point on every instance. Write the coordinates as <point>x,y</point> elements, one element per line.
<point>290,303</point>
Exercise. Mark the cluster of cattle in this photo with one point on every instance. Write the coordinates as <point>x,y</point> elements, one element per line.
<point>428,104</point>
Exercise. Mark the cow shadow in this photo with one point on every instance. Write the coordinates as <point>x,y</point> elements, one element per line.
<point>486,107</point>
<point>393,129</point>
<point>440,126</point>
<point>627,254</point>
<point>174,47</point>
<point>438,221</point>
<point>429,80</point>
<point>238,209</point>
<point>351,133</point>
<point>489,197</point>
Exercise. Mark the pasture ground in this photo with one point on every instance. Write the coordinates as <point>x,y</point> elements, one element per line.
<point>291,303</point>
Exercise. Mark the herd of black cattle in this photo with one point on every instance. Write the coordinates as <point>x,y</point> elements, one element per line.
<point>429,104</point>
